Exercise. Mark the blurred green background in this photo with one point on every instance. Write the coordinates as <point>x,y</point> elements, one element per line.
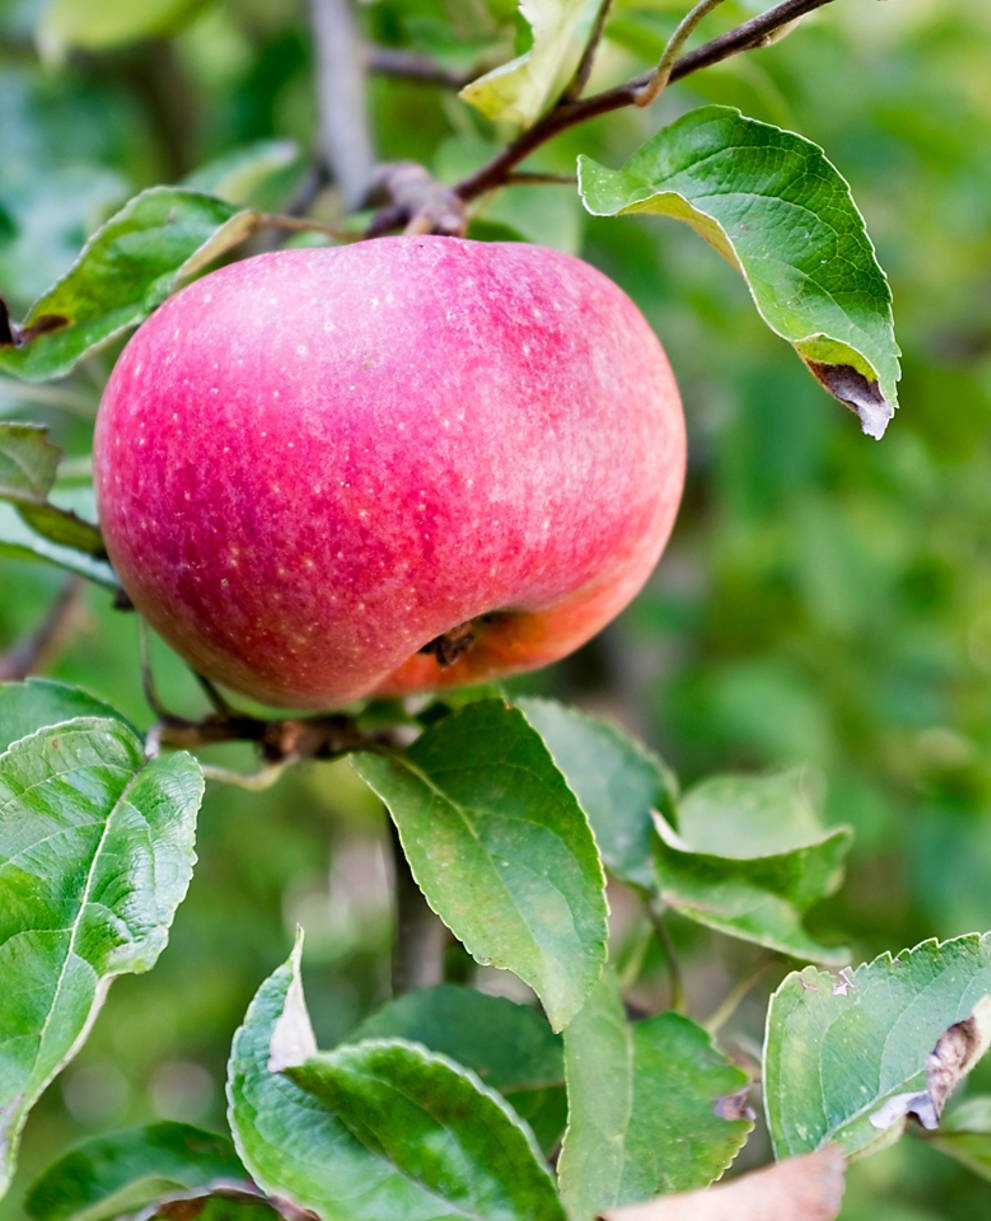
<point>825,599</point>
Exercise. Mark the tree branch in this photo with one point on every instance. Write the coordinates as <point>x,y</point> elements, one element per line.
<point>325,736</point>
<point>418,946</point>
<point>753,33</point>
<point>389,61</point>
<point>31,652</point>
<point>345,139</point>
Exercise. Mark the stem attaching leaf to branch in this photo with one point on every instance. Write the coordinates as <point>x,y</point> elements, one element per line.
<point>662,74</point>
<point>745,37</point>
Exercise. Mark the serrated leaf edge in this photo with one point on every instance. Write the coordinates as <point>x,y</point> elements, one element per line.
<point>726,250</point>
<point>847,976</point>
<point>10,1137</point>
<point>346,1051</point>
<point>601,876</point>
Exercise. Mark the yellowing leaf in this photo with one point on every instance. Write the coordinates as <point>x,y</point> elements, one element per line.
<point>516,92</point>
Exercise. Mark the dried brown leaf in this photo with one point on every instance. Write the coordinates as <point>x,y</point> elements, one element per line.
<point>807,1188</point>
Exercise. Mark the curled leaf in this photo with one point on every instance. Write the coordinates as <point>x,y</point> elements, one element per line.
<point>774,206</point>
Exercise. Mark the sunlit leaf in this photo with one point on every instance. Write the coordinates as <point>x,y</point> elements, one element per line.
<point>517,91</point>
<point>125,270</point>
<point>96,852</point>
<point>375,1131</point>
<point>848,1056</point>
<point>772,204</point>
<point>245,175</point>
<point>66,24</point>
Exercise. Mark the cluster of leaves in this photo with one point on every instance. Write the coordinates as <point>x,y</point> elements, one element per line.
<point>695,853</point>
<point>448,1097</point>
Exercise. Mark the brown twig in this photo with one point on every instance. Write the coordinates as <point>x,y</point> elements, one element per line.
<point>522,178</point>
<point>662,73</point>
<point>37,647</point>
<point>389,61</point>
<point>325,736</point>
<point>753,33</point>
<point>305,224</point>
<point>416,202</point>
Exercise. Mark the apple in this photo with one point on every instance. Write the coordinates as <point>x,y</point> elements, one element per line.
<point>387,467</point>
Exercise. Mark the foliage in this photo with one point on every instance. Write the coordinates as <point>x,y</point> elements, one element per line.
<point>802,618</point>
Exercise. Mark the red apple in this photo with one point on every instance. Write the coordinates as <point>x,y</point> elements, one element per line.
<point>387,467</point>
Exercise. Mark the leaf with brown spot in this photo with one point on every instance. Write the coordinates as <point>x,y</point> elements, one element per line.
<point>778,211</point>
<point>957,1050</point>
<point>848,1057</point>
<point>807,1188</point>
<point>159,239</point>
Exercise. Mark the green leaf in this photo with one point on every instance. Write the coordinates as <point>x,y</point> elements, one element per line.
<point>67,24</point>
<point>382,1131</point>
<point>847,1056</point>
<point>126,269</point>
<point>501,849</point>
<point>96,852</point>
<point>652,1107</point>
<point>20,542</point>
<point>749,858</point>
<point>508,1046</point>
<point>120,1173</point>
<point>617,781</point>
<point>245,175</point>
<point>965,1134</point>
<point>428,1121</point>
<point>28,462</point>
<point>518,91</point>
<point>40,702</point>
<point>772,204</point>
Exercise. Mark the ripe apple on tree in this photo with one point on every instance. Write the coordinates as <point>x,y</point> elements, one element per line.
<point>398,465</point>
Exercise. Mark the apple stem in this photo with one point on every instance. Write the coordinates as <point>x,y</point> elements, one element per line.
<point>655,913</point>
<point>662,73</point>
<point>420,938</point>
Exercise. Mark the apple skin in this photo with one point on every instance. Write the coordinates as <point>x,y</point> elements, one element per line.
<point>312,463</point>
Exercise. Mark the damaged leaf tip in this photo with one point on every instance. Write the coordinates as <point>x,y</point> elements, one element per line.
<point>864,397</point>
